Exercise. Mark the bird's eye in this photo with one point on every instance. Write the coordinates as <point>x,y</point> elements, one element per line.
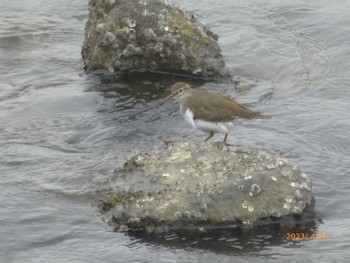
<point>180,90</point>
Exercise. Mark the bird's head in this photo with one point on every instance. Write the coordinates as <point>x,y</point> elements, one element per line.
<point>179,91</point>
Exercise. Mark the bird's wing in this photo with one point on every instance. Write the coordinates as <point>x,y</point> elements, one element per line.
<point>219,108</point>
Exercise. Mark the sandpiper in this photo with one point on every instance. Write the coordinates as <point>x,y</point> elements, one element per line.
<point>210,111</point>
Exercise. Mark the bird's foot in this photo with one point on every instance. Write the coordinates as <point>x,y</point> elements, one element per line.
<point>220,145</point>
<point>231,144</point>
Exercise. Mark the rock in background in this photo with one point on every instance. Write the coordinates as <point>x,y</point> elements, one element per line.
<point>197,185</point>
<point>141,35</point>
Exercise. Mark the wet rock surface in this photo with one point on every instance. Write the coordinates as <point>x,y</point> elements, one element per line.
<point>154,35</point>
<point>197,185</point>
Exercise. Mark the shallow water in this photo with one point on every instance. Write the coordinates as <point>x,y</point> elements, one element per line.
<point>62,133</point>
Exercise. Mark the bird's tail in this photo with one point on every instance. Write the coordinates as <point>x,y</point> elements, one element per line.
<point>263,116</point>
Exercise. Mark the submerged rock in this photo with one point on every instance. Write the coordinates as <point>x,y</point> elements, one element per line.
<point>129,35</point>
<point>197,185</point>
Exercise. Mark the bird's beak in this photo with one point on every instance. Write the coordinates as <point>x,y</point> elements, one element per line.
<point>167,98</point>
<point>156,105</point>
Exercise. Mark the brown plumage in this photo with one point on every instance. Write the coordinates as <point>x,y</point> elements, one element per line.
<point>210,111</point>
<point>215,107</point>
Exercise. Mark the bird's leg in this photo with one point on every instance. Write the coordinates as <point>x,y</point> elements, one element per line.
<point>225,139</point>
<point>210,135</point>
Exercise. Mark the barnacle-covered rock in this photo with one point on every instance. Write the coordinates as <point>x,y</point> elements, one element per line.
<point>197,185</point>
<point>134,35</point>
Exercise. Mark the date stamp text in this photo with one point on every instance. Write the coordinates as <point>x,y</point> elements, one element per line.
<point>304,236</point>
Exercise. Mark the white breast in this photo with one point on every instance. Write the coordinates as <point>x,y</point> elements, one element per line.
<point>207,126</point>
<point>188,116</point>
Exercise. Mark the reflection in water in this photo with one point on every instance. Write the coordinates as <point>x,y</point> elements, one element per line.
<point>132,94</point>
<point>232,241</point>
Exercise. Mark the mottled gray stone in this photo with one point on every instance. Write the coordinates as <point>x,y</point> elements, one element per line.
<point>200,185</point>
<point>134,35</point>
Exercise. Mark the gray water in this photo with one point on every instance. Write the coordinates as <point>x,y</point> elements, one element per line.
<point>62,133</point>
